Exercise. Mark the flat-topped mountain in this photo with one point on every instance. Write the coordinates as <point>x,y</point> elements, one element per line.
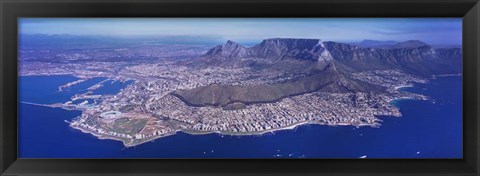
<point>327,66</point>
<point>296,55</point>
<point>304,49</point>
<point>411,56</point>
<point>411,44</point>
<point>276,49</point>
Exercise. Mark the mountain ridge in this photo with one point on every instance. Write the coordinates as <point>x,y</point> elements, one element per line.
<point>327,66</point>
<point>406,56</point>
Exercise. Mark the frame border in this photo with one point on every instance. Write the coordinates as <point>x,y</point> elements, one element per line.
<point>10,10</point>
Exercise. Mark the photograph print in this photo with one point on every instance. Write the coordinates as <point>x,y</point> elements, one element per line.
<point>240,88</point>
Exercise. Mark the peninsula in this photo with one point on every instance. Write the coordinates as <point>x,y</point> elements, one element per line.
<point>231,89</point>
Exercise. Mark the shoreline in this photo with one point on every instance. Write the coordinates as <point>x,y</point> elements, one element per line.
<point>196,132</point>
<point>55,105</point>
<point>403,86</point>
<point>193,132</point>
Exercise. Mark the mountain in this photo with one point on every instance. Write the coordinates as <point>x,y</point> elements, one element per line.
<point>229,96</point>
<point>411,44</point>
<point>276,49</point>
<point>375,44</point>
<point>413,56</point>
<point>327,66</point>
<point>410,57</point>
<point>390,44</point>
<point>277,53</point>
<point>229,50</point>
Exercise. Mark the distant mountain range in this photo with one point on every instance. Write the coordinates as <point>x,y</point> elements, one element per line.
<point>395,44</point>
<point>374,43</point>
<point>329,66</point>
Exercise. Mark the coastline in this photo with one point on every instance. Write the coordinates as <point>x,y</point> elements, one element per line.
<point>256,133</point>
<point>403,86</point>
<point>130,142</point>
<point>55,105</point>
<point>228,141</point>
<point>135,142</point>
<point>192,132</point>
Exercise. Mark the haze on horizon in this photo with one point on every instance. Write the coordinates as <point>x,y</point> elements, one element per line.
<point>436,31</point>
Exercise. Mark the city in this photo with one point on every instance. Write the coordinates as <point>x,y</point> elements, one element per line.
<point>146,109</point>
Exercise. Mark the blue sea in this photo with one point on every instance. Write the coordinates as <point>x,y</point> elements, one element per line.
<point>427,129</point>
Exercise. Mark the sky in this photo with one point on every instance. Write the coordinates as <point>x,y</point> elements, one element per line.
<point>435,31</point>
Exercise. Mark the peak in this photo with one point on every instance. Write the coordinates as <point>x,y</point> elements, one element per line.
<point>228,50</point>
<point>229,42</point>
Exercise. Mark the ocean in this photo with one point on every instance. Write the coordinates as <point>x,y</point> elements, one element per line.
<point>427,129</point>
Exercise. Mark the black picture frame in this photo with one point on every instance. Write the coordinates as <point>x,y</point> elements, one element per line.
<point>10,10</point>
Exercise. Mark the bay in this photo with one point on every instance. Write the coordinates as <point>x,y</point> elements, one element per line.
<point>427,129</point>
